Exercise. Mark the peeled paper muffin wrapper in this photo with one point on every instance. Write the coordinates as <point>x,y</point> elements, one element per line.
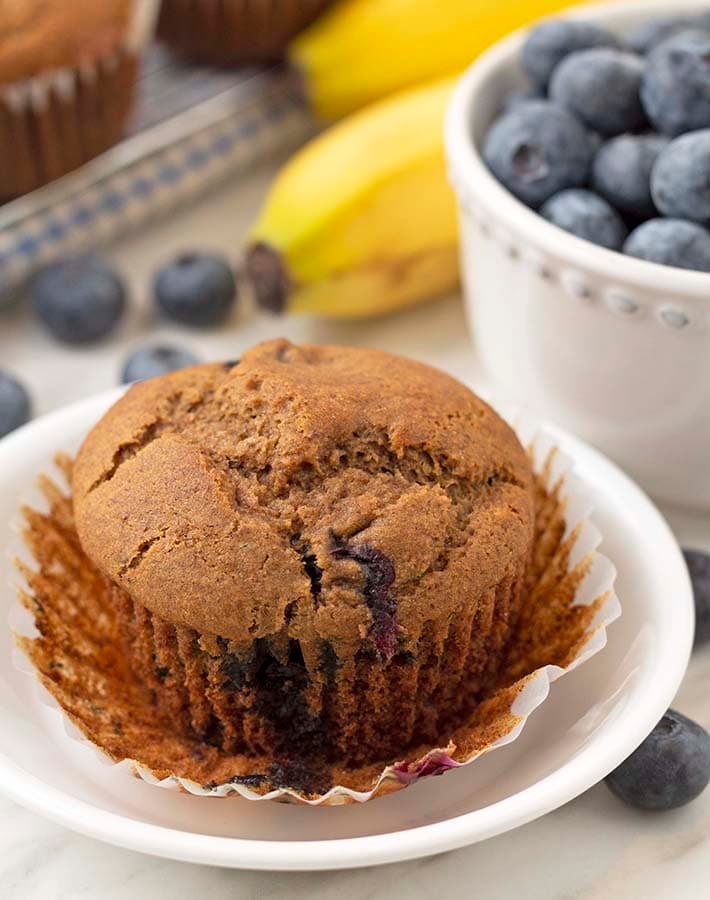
<point>570,603</point>
<point>59,119</point>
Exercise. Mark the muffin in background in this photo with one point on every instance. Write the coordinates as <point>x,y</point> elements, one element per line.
<point>227,32</point>
<point>67,75</point>
<point>317,554</point>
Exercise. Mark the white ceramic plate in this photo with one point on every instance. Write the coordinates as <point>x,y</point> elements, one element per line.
<point>593,719</point>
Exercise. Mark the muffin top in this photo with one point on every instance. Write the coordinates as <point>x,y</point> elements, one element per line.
<point>318,492</point>
<point>39,35</point>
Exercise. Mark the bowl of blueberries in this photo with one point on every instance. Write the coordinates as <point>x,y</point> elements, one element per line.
<point>579,150</point>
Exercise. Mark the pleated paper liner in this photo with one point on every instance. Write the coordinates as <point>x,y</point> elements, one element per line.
<point>76,652</point>
<point>56,121</point>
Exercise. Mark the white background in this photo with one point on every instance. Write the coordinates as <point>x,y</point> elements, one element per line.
<point>591,848</point>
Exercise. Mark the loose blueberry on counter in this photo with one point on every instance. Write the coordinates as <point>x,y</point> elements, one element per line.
<point>621,172</point>
<point>699,568</point>
<point>149,362</point>
<point>676,83</point>
<point>671,242</point>
<point>196,289</point>
<point>586,215</point>
<point>80,300</point>
<point>15,404</point>
<point>549,43</point>
<point>680,181</point>
<point>537,149</point>
<point>601,87</point>
<point>643,39</point>
<point>670,768</point>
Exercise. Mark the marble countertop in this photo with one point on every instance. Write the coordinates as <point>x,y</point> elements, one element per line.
<point>591,848</point>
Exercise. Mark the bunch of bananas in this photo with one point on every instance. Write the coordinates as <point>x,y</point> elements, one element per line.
<point>361,220</point>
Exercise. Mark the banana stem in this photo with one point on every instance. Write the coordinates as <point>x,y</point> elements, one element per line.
<point>268,276</point>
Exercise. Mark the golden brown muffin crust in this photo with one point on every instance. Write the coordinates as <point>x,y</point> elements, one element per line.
<point>40,35</point>
<point>322,493</point>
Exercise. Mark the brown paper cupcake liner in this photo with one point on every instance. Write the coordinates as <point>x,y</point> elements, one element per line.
<point>224,32</point>
<point>55,122</point>
<point>213,692</point>
<point>78,654</point>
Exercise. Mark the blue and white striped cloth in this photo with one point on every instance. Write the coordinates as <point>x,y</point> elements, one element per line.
<point>156,168</point>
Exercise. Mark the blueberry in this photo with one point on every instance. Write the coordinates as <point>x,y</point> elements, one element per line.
<point>675,90</point>
<point>670,768</point>
<point>646,37</point>
<point>621,172</point>
<point>699,568</point>
<point>196,289</point>
<point>587,215</point>
<point>680,181</point>
<point>549,43</point>
<point>79,300</point>
<point>538,149</point>
<point>601,87</point>
<point>149,362</point>
<point>672,242</point>
<point>649,36</point>
<point>15,404</point>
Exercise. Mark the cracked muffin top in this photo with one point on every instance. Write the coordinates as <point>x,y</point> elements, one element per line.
<point>314,492</point>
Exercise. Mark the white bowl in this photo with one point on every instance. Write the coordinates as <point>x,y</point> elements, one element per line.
<point>614,348</point>
<point>592,720</point>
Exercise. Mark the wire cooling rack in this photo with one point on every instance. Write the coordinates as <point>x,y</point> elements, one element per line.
<point>192,126</point>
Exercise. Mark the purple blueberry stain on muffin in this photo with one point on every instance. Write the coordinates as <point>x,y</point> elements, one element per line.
<point>253,780</point>
<point>312,570</point>
<point>379,578</point>
<point>278,688</point>
<point>435,763</point>
<point>282,776</point>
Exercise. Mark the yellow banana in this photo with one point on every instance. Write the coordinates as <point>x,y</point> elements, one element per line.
<point>362,50</point>
<point>361,220</point>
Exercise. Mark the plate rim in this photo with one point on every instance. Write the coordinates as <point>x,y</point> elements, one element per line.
<point>609,747</point>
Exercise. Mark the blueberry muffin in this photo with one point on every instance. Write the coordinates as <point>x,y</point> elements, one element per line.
<point>225,32</point>
<point>315,553</point>
<point>67,72</point>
